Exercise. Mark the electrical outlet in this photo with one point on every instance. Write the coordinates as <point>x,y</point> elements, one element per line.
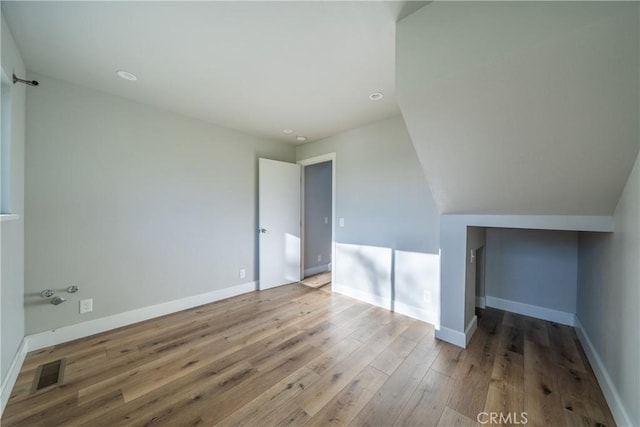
<point>326,220</point>
<point>86,305</point>
<point>341,222</point>
<point>319,258</point>
<point>243,273</point>
<point>426,296</point>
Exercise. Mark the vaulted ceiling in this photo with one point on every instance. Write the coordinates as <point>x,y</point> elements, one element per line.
<point>259,67</point>
<point>522,107</point>
<point>513,107</point>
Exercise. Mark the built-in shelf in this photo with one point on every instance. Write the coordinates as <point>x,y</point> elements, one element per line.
<point>8,217</point>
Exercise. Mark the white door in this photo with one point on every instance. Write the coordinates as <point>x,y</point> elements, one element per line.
<point>279,223</point>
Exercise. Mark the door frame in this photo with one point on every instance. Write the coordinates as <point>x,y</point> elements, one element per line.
<point>329,157</point>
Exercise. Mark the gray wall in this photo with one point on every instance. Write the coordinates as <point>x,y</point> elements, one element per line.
<point>12,232</point>
<point>391,230</point>
<point>135,205</point>
<point>453,255</point>
<point>609,295</point>
<point>317,207</point>
<point>535,267</point>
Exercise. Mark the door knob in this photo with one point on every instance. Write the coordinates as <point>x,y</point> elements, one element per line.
<point>262,230</point>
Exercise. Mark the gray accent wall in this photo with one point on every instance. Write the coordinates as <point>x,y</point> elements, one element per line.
<point>535,267</point>
<point>609,297</point>
<point>317,209</point>
<point>135,205</point>
<point>388,248</point>
<point>12,232</point>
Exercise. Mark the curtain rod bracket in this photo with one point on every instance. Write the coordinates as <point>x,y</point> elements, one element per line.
<point>27,82</point>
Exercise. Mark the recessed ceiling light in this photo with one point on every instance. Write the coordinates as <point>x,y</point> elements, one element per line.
<point>376,96</point>
<point>287,130</point>
<point>301,138</point>
<point>127,75</point>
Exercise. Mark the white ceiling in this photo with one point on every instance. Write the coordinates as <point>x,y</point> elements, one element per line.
<point>258,67</point>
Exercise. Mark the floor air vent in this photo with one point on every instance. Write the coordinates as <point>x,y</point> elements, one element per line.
<point>48,375</point>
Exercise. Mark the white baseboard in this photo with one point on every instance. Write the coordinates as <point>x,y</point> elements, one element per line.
<point>12,375</point>
<point>415,312</point>
<point>543,313</point>
<point>461,339</point>
<point>620,414</point>
<point>367,297</point>
<point>398,307</point>
<point>92,327</point>
<point>481,302</point>
<point>469,330</point>
<point>451,336</point>
<point>317,270</point>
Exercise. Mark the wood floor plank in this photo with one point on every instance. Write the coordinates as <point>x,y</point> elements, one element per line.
<point>451,418</point>
<point>449,359</point>
<point>296,418</point>
<point>340,410</point>
<point>506,390</point>
<point>571,419</point>
<point>542,400</point>
<point>513,320</point>
<point>581,396</point>
<point>334,355</point>
<point>418,330</point>
<point>265,373</point>
<point>473,375</point>
<point>160,404</point>
<point>213,412</point>
<point>387,404</point>
<point>564,347</point>
<point>335,379</point>
<point>393,355</point>
<point>535,330</point>
<point>426,404</point>
<point>78,414</point>
<point>512,339</point>
<point>254,412</point>
<point>294,355</point>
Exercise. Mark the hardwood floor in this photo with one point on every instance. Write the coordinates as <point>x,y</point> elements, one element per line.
<point>318,280</point>
<point>295,355</point>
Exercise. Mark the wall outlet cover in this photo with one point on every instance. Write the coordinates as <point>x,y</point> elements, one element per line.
<point>86,305</point>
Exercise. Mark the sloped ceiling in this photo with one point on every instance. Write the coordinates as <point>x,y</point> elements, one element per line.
<point>522,108</point>
<point>258,67</point>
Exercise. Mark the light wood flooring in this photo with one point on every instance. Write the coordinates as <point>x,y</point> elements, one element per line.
<point>294,355</point>
<point>318,281</point>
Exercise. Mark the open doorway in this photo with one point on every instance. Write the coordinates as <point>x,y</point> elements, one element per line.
<point>480,268</point>
<point>318,221</point>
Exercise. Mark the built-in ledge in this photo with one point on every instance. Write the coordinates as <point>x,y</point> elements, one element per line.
<point>9,217</point>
